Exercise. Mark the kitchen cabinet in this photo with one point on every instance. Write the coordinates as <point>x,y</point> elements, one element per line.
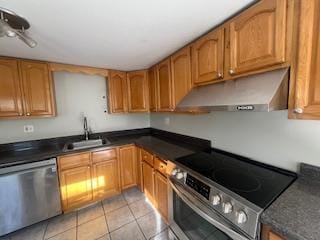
<point>208,57</point>
<point>164,86</point>
<point>268,234</point>
<point>152,77</point>
<point>181,74</point>
<point>161,193</point>
<point>26,89</point>
<point>138,91</point>
<point>37,88</point>
<point>128,166</point>
<point>304,97</point>
<point>148,181</point>
<point>118,98</point>
<point>87,177</point>
<point>75,180</point>
<point>105,174</point>
<point>258,37</point>
<point>10,90</point>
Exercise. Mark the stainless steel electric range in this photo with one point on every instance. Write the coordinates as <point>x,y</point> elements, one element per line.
<point>216,195</point>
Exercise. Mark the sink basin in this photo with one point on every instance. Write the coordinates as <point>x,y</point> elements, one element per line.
<point>85,144</point>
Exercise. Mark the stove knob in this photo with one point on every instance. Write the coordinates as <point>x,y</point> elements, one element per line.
<point>179,175</point>
<point>174,172</point>
<point>227,207</point>
<point>216,199</point>
<point>241,217</point>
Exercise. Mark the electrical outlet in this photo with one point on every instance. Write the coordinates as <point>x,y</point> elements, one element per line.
<point>28,128</point>
<point>167,121</point>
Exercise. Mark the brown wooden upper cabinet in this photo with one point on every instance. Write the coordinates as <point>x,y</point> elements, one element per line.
<point>10,90</point>
<point>138,91</point>
<point>304,102</point>
<point>164,86</point>
<point>28,94</point>
<point>208,57</point>
<point>37,88</point>
<point>181,74</point>
<point>258,37</point>
<point>118,99</point>
<point>152,77</point>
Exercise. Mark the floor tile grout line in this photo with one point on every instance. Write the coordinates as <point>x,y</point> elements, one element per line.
<point>122,226</point>
<point>45,230</point>
<point>135,219</point>
<point>105,218</point>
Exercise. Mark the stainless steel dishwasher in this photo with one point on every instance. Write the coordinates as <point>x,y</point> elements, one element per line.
<point>29,193</point>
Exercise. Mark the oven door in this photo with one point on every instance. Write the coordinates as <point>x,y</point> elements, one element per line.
<point>191,219</point>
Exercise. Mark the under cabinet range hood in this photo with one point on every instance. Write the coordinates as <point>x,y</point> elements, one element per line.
<point>261,92</point>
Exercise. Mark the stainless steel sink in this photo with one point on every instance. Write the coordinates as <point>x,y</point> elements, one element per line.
<point>85,144</point>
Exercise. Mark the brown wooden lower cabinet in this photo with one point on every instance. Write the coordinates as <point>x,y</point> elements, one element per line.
<point>105,180</point>
<point>75,187</point>
<point>88,177</point>
<point>268,234</point>
<point>161,194</point>
<point>148,181</point>
<point>128,166</point>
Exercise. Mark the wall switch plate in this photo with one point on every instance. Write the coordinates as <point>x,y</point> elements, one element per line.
<point>167,121</point>
<point>28,128</point>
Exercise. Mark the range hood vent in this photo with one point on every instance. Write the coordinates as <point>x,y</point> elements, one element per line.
<point>261,92</point>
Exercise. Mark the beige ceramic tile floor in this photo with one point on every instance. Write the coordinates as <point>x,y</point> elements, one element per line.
<point>128,216</point>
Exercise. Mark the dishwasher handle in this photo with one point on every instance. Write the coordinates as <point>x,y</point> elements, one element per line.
<point>29,166</point>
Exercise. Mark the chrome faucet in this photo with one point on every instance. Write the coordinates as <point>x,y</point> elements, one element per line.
<point>86,129</point>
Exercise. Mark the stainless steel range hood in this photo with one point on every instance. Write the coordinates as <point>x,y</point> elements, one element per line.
<point>262,92</point>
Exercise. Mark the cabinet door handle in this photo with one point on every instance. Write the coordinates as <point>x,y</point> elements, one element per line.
<point>298,110</point>
<point>231,71</point>
<point>28,114</point>
<point>220,75</point>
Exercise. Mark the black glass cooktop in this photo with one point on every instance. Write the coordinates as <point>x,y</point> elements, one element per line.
<point>258,183</point>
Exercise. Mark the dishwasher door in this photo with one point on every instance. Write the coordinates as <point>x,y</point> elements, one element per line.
<point>29,193</point>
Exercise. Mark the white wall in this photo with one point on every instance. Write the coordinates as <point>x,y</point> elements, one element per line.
<point>267,137</point>
<point>76,94</point>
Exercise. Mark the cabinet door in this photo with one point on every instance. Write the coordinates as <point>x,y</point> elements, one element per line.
<point>37,88</point>
<point>258,37</point>
<point>148,181</point>
<point>181,74</point>
<point>304,97</point>
<point>268,234</point>
<point>75,186</point>
<point>138,95</point>
<point>208,57</point>
<point>152,77</point>
<point>161,194</point>
<point>128,165</point>
<point>10,89</point>
<point>118,100</point>
<point>105,179</point>
<point>164,86</point>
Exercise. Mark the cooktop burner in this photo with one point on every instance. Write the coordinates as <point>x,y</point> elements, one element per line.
<point>254,181</point>
<point>225,176</point>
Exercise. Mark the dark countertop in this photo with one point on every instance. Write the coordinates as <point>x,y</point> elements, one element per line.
<point>163,144</point>
<point>296,213</point>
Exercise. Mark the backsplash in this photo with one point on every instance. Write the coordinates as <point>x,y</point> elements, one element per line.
<point>76,95</point>
<point>266,137</point>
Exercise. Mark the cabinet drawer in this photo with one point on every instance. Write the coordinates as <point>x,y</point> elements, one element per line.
<point>74,160</point>
<point>104,155</point>
<point>147,157</point>
<point>160,166</point>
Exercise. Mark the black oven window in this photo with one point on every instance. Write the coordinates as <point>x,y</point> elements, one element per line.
<point>193,225</point>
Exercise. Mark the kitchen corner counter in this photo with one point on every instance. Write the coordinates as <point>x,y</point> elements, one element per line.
<point>163,144</point>
<point>296,213</point>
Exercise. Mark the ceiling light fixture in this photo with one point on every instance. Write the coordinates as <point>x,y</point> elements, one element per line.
<point>12,25</point>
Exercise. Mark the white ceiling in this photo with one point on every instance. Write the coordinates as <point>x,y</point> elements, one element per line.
<point>116,34</point>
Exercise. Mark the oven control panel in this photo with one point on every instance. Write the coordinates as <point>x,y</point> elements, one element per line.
<point>198,186</point>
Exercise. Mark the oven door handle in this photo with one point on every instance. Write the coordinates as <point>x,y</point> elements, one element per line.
<point>196,206</point>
